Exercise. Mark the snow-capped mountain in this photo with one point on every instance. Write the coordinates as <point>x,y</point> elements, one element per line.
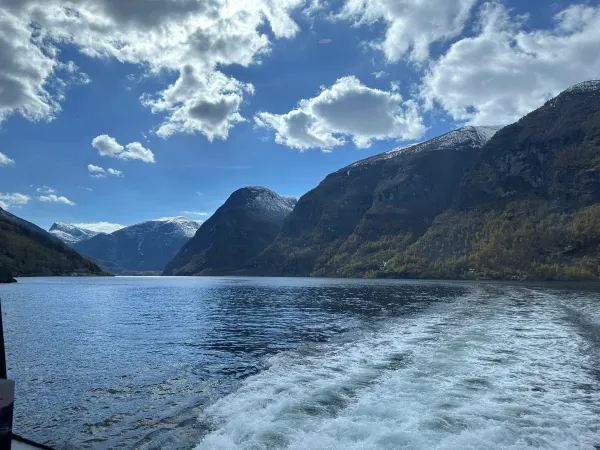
<point>469,135</point>
<point>71,234</point>
<point>144,247</point>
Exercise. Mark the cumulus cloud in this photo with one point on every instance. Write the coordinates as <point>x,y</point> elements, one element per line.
<point>169,36</point>
<point>5,160</point>
<point>412,26</point>
<point>347,109</point>
<point>108,146</point>
<point>8,200</point>
<point>53,198</point>
<point>100,227</point>
<point>100,172</point>
<point>199,102</point>
<point>505,70</point>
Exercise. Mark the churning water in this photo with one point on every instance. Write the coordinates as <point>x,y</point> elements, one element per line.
<point>263,363</point>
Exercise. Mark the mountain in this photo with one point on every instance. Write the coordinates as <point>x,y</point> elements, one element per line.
<point>236,233</point>
<point>27,250</point>
<point>71,234</point>
<point>519,203</point>
<point>377,205</point>
<point>145,247</point>
<point>530,208</point>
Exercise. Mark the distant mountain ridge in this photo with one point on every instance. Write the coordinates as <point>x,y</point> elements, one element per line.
<point>71,234</point>
<point>140,248</point>
<point>28,250</point>
<point>236,233</point>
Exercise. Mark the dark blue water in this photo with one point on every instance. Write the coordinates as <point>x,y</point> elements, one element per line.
<point>303,363</point>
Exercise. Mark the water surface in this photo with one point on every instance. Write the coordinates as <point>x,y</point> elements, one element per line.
<point>257,363</point>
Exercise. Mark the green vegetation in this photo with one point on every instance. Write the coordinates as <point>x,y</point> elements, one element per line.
<point>26,250</point>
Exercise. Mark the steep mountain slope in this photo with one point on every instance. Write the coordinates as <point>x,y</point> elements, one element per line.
<point>26,249</point>
<point>378,205</point>
<point>237,232</point>
<point>71,234</point>
<point>530,208</point>
<point>144,247</point>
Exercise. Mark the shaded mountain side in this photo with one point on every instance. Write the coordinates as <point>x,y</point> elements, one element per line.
<point>142,248</point>
<point>27,250</point>
<point>392,196</point>
<point>235,234</point>
<point>530,208</point>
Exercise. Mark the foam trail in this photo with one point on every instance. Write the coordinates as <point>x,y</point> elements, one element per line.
<point>494,369</point>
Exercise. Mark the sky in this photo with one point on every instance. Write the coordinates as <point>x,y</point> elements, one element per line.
<point>113,113</point>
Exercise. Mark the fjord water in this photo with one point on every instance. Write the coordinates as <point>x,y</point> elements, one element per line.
<point>303,363</point>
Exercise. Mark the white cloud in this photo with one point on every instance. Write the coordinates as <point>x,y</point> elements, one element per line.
<point>199,103</point>
<point>100,227</point>
<point>5,160</point>
<point>108,146</point>
<point>100,172</point>
<point>53,198</point>
<point>8,200</point>
<point>505,71</point>
<point>162,37</point>
<point>412,26</point>
<point>45,190</point>
<point>197,213</point>
<point>346,109</point>
<point>96,171</point>
<point>114,172</point>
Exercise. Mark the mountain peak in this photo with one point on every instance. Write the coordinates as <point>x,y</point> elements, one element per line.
<point>476,136</point>
<point>71,234</point>
<point>584,87</point>
<point>260,198</point>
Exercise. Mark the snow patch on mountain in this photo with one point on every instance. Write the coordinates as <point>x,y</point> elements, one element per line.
<point>584,87</point>
<point>71,234</point>
<point>469,135</point>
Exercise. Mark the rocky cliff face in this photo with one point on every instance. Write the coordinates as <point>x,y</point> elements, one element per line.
<point>144,247</point>
<point>235,234</point>
<point>395,195</point>
<point>27,250</point>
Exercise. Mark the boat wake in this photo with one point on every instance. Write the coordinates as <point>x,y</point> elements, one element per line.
<point>500,367</point>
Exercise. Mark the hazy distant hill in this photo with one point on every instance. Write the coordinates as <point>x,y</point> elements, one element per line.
<point>144,247</point>
<point>71,234</point>
<point>26,249</point>
<point>236,233</point>
<point>523,205</point>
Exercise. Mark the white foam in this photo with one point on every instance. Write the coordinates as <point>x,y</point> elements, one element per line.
<point>486,371</point>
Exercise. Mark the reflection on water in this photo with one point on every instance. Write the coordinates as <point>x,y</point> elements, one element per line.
<point>271,363</point>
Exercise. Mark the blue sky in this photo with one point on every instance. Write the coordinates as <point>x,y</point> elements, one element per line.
<point>373,75</point>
